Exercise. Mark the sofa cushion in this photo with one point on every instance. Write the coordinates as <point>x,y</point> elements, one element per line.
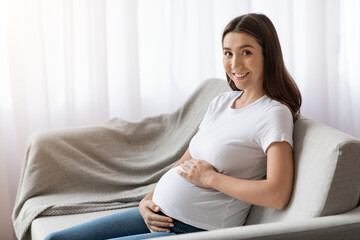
<point>326,179</point>
<point>42,226</point>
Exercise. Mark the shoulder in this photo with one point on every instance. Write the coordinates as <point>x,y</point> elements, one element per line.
<point>276,109</point>
<point>224,97</point>
<point>220,102</point>
<point>275,115</point>
<point>275,124</point>
<point>217,106</point>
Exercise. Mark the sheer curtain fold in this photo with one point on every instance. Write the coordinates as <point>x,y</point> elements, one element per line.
<point>122,59</point>
<point>8,149</point>
<point>66,63</point>
<point>316,105</point>
<point>349,84</point>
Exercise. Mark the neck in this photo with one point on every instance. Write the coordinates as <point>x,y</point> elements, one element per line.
<point>248,97</point>
<point>252,95</point>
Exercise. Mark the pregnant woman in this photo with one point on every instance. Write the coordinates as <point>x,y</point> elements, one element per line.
<point>241,155</point>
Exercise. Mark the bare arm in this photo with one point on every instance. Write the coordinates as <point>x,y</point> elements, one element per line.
<point>274,191</point>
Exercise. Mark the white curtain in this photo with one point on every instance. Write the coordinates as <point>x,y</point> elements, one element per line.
<point>66,63</point>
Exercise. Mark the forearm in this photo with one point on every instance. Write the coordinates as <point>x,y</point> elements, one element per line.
<point>274,191</point>
<point>257,192</point>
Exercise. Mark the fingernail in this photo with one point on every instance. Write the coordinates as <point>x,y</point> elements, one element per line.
<point>171,225</point>
<point>156,208</point>
<point>170,220</point>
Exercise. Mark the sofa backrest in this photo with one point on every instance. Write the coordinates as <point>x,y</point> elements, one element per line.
<point>327,175</point>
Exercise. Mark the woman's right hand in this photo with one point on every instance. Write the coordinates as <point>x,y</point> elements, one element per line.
<point>155,222</point>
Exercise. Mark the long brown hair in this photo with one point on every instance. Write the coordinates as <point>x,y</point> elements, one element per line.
<point>278,84</point>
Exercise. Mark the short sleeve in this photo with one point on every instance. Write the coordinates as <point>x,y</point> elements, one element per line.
<point>276,126</point>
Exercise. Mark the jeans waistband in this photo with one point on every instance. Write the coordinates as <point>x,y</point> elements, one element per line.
<point>181,227</point>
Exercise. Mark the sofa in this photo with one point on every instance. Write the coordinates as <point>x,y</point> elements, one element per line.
<point>324,202</point>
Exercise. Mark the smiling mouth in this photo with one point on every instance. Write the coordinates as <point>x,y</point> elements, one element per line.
<point>240,75</point>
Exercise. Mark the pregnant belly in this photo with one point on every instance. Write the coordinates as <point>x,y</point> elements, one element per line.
<point>174,193</point>
<point>203,208</point>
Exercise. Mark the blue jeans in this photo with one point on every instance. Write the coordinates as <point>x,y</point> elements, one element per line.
<point>127,225</point>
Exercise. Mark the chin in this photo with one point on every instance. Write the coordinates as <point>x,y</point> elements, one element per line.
<point>238,85</point>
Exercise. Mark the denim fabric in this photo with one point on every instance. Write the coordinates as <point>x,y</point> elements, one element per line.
<point>128,225</point>
<point>181,228</point>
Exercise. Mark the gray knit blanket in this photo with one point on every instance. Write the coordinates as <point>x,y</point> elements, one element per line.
<point>104,167</point>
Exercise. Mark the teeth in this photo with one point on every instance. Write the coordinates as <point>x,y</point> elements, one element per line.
<point>240,75</point>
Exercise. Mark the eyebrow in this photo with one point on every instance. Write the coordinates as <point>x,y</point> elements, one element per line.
<point>241,47</point>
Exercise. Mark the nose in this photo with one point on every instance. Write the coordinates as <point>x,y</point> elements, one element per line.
<point>236,62</point>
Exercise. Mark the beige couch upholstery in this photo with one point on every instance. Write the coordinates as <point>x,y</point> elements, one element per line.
<point>324,203</point>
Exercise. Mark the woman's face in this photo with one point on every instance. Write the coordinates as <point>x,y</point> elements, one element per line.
<point>243,61</point>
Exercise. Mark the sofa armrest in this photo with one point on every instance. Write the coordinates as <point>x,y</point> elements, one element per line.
<point>342,226</point>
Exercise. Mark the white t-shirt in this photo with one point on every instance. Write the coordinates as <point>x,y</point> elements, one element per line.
<point>234,142</point>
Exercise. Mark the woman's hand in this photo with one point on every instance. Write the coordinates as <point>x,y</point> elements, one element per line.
<point>154,222</point>
<point>199,172</point>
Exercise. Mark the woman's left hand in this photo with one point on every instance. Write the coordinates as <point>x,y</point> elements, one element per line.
<point>199,172</point>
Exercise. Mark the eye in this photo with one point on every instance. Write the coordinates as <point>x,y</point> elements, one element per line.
<point>227,54</point>
<point>246,52</point>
